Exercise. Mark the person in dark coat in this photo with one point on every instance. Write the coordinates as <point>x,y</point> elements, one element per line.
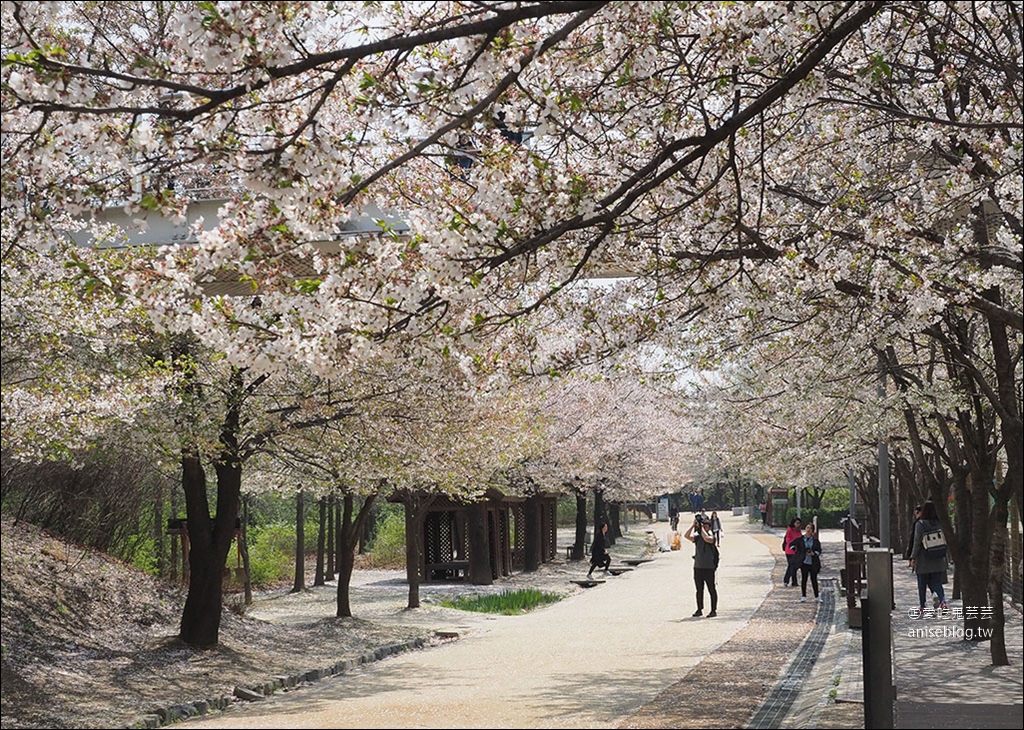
<point>599,557</point>
<point>930,569</point>
<point>705,563</point>
<point>807,548</point>
<point>793,532</point>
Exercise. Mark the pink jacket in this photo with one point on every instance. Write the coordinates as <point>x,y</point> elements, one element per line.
<point>792,534</point>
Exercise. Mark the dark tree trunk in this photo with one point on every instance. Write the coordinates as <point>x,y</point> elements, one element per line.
<point>416,505</point>
<point>1012,429</point>
<point>243,535</point>
<point>210,542</point>
<point>348,538</point>
<point>974,578</point>
<point>366,534</point>
<point>210,539</point>
<point>337,534</point>
<point>580,546</point>
<point>479,546</point>
<point>600,514</point>
<point>300,544</point>
<point>331,507</point>
<point>321,538</point>
<point>614,528</point>
<point>1000,512</point>
<point>532,535</point>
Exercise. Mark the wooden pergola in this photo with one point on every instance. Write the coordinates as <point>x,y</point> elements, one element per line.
<point>478,541</point>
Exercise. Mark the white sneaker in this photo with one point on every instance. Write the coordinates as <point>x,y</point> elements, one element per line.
<point>803,599</point>
<point>817,599</point>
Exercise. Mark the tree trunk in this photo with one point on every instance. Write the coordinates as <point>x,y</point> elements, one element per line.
<point>349,534</point>
<point>331,507</point>
<point>580,546</point>
<point>1000,512</point>
<point>243,535</point>
<point>599,509</point>
<point>210,539</point>
<point>366,534</point>
<point>1012,430</point>
<point>532,535</point>
<point>300,544</point>
<point>614,528</point>
<point>974,579</point>
<point>210,542</point>
<point>415,508</point>
<point>321,537</point>
<point>479,546</point>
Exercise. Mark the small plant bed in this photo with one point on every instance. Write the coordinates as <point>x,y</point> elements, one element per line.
<point>509,603</point>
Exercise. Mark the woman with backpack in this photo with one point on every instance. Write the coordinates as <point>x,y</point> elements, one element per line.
<point>928,562</point>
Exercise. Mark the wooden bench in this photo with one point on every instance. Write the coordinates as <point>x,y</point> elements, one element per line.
<point>453,570</point>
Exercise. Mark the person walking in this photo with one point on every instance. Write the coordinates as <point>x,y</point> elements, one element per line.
<point>929,564</point>
<point>793,531</point>
<point>808,556</point>
<point>716,527</point>
<point>599,556</point>
<point>763,509</point>
<point>673,515</point>
<point>705,563</point>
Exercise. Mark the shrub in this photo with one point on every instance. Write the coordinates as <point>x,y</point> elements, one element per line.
<point>826,517</point>
<point>388,547</point>
<point>271,553</point>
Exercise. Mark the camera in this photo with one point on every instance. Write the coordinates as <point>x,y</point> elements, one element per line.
<point>701,519</point>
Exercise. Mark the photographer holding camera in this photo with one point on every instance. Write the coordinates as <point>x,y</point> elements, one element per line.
<point>705,562</point>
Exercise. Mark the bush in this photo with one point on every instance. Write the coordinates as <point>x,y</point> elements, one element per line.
<point>827,518</point>
<point>271,553</point>
<point>388,547</point>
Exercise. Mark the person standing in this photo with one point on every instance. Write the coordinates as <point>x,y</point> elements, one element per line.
<point>673,515</point>
<point>763,509</point>
<point>716,528</point>
<point>794,531</point>
<point>808,557</point>
<point>705,563</point>
<point>929,565</point>
<point>599,556</point>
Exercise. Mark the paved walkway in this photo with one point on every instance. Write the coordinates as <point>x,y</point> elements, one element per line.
<point>587,661</point>
<point>941,680</point>
<point>595,658</point>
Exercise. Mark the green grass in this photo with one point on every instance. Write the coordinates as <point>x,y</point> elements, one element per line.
<point>509,603</point>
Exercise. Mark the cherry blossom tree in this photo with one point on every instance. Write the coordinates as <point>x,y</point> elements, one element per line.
<point>747,165</point>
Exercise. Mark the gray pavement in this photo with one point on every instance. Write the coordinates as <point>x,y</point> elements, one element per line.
<point>941,680</point>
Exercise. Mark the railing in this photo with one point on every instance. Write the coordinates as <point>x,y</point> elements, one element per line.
<point>853,574</point>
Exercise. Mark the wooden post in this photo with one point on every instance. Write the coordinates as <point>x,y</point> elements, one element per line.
<point>479,545</point>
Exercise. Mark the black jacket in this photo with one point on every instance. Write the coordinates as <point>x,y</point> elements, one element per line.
<point>801,552</point>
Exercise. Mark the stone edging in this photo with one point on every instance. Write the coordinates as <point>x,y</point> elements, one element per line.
<point>181,711</point>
